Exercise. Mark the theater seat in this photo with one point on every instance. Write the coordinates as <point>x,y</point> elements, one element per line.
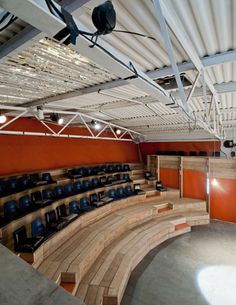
<point>38,199</point>
<point>24,244</point>
<point>59,192</point>
<point>120,192</point>
<point>3,188</point>
<point>126,178</point>
<point>68,189</point>
<point>95,183</point>
<point>85,205</point>
<point>11,210</point>
<point>203,153</point>
<point>118,168</point>
<point>94,200</point>
<point>53,222</point>
<point>48,178</point>
<point>25,183</point>
<point>38,229</point>
<point>12,186</point>
<point>26,204</point>
<point>77,186</point>
<point>75,173</point>
<point>192,153</point>
<point>126,168</point>
<point>129,191</point>
<point>48,196</point>
<point>160,187</point>
<point>112,194</point>
<point>62,214</point>
<point>110,168</point>
<point>86,185</point>
<point>74,208</point>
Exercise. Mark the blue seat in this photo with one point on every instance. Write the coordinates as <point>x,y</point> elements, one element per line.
<point>103,168</point>
<point>74,208</point>
<point>12,186</point>
<point>112,194</point>
<point>120,192</point>
<point>48,195</point>
<point>11,209</point>
<point>75,173</point>
<point>24,182</point>
<point>38,229</point>
<point>89,171</point>
<point>110,168</point>
<point>95,182</point>
<point>48,178</point>
<point>129,191</point>
<point>77,186</point>
<point>126,168</point>
<point>118,168</point>
<point>85,204</point>
<point>25,203</point>
<point>59,192</point>
<point>86,185</point>
<point>127,178</point>
<point>68,189</point>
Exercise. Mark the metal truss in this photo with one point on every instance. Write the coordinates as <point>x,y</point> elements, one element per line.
<point>85,119</point>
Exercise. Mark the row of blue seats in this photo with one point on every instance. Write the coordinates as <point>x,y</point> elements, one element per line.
<point>13,185</point>
<point>56,220</point>
<point>39,199</point>
<point>98,170</point>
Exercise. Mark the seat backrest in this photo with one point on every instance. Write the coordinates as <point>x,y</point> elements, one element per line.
<point>36,196</point>
<point>68,188</point>
<point>84,202</point>
<point>112,193</point>
<point>103,179</point>
<point>23,181</point>
<point>73,207</point>
<point>93,198</point>
<point>2,186</point>
<point>126,168</point>
<point>50,217</point>
<point>12,184</point>
<point>19,236</point>
<point>116,177</point>
<point>24,202</point>
<point>120,191</point>
<point>34,177</point>
<point>110,168</point>
<point>128,189</point>
<point>58,190</point>
<point>47,194</point>
<point>192,153</point>
<point>10,208</point>
<point>77,186</point>
<point>118,167</point>
<point>61,211</point>
<point>125,177</point>
<point>86,184</point>
<point>37,227</point>
<point>47,177</point>
<point>203,153</point>
<point>95,182</point>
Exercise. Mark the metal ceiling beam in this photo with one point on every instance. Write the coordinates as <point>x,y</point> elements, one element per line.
<point>29,34</point>
<point>178,30</point>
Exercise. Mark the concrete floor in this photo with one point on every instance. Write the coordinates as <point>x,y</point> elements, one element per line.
<point>198,268</point>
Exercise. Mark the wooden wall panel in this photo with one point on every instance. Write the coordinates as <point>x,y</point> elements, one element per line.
<point>223,199</point>
<point>194,184</point>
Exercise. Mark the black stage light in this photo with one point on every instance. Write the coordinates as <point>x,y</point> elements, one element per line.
<point>104,18</point>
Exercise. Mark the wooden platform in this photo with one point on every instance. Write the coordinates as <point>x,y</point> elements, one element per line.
<point>99,257</point>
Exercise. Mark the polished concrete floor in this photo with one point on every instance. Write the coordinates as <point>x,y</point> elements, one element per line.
<point>198,268</point>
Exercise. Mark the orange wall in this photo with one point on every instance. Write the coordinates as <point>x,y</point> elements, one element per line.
<point>223,200</point>
<point>169,177</point>
<point>153,147</point>
<point>32,153</point>
<point>194,184</point>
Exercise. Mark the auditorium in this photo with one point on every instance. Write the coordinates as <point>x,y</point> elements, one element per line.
<point>117,152</point>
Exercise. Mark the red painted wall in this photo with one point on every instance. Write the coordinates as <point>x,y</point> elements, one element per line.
<point>32,153</point>
<point>223,200</point>
<point>169,177</point>
<point>153,147</point>
<point>194,184</point>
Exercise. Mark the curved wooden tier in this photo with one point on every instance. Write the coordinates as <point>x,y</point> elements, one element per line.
<point>92,238</point>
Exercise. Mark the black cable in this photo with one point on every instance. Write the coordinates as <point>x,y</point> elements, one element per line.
<point>12,19</point>
<point>134,33</point>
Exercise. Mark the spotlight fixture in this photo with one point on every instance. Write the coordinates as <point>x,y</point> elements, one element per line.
<point>104,18</point>
<point>232,154</point>
<point>117,131</point>
<point>55,118</point>
<point>40,113</point>
<point>96,125</point>
<point>3,118</point>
